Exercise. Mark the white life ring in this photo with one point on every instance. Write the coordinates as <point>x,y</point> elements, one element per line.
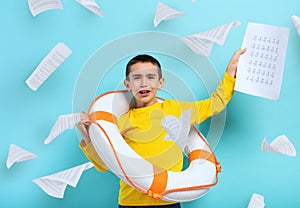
<point>124,162</point>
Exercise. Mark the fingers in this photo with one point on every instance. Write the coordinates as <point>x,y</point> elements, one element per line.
<point>243,50</point>
<point>84,118</point>
<point>84,122</point>
<point>83,128</point>
<point>237,55</point>
<point>240,51</point>
<point>233,63</point>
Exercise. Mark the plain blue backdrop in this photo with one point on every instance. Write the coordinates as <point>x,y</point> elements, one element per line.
<point>27,116</point>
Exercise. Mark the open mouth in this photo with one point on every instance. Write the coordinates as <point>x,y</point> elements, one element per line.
<point>144,92</point>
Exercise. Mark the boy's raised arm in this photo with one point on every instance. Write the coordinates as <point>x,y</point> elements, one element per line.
<point>220,98</point>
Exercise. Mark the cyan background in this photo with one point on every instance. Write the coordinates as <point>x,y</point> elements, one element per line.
<point>28,116</point>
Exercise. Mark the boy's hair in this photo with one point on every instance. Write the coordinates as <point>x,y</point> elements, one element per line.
<point>143,58</point>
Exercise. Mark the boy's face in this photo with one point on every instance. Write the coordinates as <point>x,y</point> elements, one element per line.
<point>143,81</point>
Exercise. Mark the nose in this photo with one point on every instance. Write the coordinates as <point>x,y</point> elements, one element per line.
<point>144,82</point>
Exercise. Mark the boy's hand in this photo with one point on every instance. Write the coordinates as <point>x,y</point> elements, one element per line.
<point>232,66</point>
<point>82,127</point>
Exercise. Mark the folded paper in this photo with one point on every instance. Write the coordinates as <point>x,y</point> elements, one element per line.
<point>63,123</point>
<point>38,6</point>
<point>280,145</point>
<point>55,184</point>
<point>202,43</point>
<point>164,12</point>
<point>18,154</point>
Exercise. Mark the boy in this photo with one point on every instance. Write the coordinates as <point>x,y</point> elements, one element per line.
<point>143,79</point>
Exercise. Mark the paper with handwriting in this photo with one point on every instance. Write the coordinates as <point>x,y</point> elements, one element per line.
<point>48,65</point>
<point>260,69</point>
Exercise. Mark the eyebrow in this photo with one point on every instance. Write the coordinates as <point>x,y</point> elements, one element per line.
<point>151,75</point>
<point>138,75</point>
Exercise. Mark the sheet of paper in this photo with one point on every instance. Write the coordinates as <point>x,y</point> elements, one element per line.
<point>296,21</point>
<point>178,129</point>
<point>38,6</point>
<point>280,145</point>
<point>63,123</point>
<point>202,43</point>
<point>18,154</point>
<point>164,12</point>
<point>92,6</point>
<point>48,65</point>
<point>260,69</point>
<point>256,201</point>
<point>55,184</point>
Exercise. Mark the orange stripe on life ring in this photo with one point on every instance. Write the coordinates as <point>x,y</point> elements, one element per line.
<point>203,154</point>
<point>159,183</point>
<point>102,115</point>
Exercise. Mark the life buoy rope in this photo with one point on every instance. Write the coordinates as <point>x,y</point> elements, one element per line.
<point>158,188</point>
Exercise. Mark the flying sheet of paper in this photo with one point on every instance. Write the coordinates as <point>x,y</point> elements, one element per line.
<point>203,42</point>
<point>63,123</point>
<point>55,184</point>
<point>280,145</point>
<point>296,21</point>
<point>164,12</point>
<point>38,6</point>
<point>18,154</point>
<point>92,6</point>
<point>256,201</point>
<point>260,69</point>
<point>178,129</point>
<point>48,65</point>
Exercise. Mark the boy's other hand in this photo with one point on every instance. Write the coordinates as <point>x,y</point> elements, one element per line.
<point>233,63</point>
<point>82,127</point>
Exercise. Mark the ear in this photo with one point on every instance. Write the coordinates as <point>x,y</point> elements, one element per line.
<point>127,85</point>
<point>161,83</point>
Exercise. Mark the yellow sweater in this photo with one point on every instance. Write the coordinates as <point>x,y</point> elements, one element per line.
<point>142,130</point>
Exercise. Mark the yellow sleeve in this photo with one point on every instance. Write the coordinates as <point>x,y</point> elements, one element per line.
<point>203,109</point>
<point>92,155</point>
<point>218,99</point>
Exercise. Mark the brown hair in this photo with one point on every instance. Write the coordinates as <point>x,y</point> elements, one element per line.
<point>143,58</point>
